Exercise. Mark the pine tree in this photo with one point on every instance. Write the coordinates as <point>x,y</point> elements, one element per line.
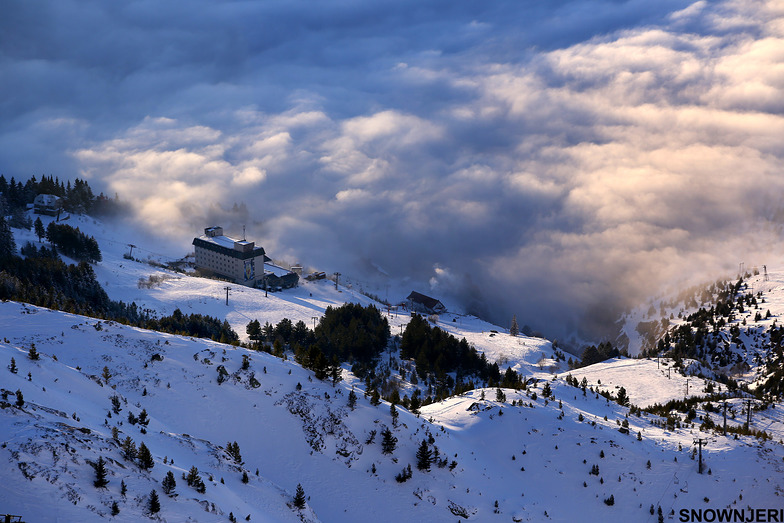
<point>144,457</point>
<point>299,497</point>
<point>514,330</point>
<point>106,374</point>
<point>253,329</point>
<point>352,397</point>
<point>375,398</point>
<point>39,228</point>
<point>245,478</point>
<point>128,448</point>
<point>19,399</point>
<point>100,474</point>
<point>14,370</point>
<point>169,483</point>
<point>7,243</point>
<point>123,488</point>
<point>154,506</point>
<point>623,398</point>
<point>233,450</point>
<point>394,414</point>
<point>546,390</point>
<point>33,353</point>
<point>115,508</point>
<point>335,370</point>
<point>424,456</point>
<point>388,441</point>
<point>116,406</point>
<point>500,396</point>
<point>194,480</point>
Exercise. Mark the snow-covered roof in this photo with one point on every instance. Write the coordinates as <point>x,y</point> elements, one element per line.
<point>277,270</point>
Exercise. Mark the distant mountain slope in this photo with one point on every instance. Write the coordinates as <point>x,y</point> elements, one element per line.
<point>732,328</point>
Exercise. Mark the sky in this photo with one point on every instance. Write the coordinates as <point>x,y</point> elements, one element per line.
<point>556,160</point>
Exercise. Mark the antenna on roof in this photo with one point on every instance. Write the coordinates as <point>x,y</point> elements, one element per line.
<point>243,233</point>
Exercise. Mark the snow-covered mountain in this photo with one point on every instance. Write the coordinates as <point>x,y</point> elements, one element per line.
<point>502,454</point>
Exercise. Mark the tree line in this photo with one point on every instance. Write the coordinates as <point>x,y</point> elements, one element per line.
<point>77,197</point>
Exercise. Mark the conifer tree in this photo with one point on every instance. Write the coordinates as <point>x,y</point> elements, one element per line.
<point>123,488</point>
<point>352,397</point>
<point>144,456</point>
<point>233,450</point>
<point>194,480</point>
<point>375,398</point>
<point>116,406</point>
<point>424,456</point>
<point>335,371</point>
<point>39,228</point>
<point>394,414</point>
<point>33,353</point>
<point>115,508</point>
<point>19,399</point>
<point>14,370</point>
<point>100,474</point>
<point>7,243</point>
<point>388,441</point>
<point>154,506</point>
<point>299,497</point>
<point>546,390</point>
<point>128,448</point>
<point>514,330</point>
<point>500,396</point>
<point>623,398</point>
<point>169,483</point>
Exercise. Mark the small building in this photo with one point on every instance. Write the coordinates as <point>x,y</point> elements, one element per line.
<point>417,302</point>
<point>237,260</point>
<point>48,204</point>
<point>280,278</point>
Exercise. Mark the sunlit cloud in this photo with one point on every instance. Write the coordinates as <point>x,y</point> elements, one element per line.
<point>539,160</point>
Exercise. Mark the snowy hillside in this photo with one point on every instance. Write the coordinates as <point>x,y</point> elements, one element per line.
<point>495,454</point>
<point>529,459</point>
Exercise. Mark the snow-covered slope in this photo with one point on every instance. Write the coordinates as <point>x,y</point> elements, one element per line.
<point>529,459</point>
<point>514,455</point>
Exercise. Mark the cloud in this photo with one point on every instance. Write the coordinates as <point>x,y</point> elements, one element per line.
<point>558,162</point>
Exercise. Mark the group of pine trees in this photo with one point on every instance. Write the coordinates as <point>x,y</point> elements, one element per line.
<point>72,242</point>
<point>199,325</point>
<point>349,332</point>
<point>439,353</point>
<point>77,197</point>
<point>596,354</point>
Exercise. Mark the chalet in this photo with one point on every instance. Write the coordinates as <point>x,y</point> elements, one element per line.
<point>47,204</point>
<point>417,302</point>
<point>239,261</point>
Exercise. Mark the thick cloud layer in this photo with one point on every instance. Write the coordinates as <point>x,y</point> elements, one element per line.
<point>554,160</point>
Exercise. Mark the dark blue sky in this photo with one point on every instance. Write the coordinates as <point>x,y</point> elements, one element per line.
<point>553,160</point>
